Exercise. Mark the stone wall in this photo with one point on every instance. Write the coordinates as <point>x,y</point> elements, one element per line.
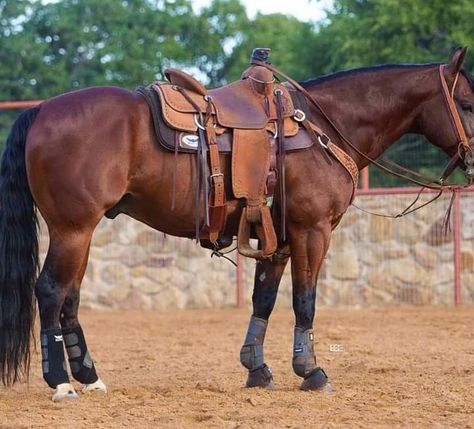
<point>372,261</point>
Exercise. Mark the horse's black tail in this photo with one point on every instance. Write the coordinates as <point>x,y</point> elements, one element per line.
<point>18,254</point>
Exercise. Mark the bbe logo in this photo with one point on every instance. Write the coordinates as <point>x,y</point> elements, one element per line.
<point>336,348</point>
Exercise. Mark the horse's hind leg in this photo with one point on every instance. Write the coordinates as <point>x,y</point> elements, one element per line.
<point>80,362</point>
<point>308,248</point>
<point>57,291</point>
<point>267,279</point>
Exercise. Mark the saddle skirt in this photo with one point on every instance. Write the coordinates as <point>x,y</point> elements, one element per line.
<point>176,124</point>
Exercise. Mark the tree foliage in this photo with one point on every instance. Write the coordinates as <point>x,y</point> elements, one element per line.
<point>365,32</point>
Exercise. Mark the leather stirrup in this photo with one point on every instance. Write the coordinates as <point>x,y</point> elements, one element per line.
<point>265,233</point>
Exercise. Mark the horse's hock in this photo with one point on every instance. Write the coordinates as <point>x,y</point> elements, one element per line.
<point>372,261</point>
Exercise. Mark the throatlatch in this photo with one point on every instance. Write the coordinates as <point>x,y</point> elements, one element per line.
<point>53,363</point>
<point>80,361</point>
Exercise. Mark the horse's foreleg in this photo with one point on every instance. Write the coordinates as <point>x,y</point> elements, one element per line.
<point>267,279</point>
<point>62,273</point>
<point>307,253</point>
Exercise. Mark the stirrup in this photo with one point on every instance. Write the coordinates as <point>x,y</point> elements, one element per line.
<point>265,233</point>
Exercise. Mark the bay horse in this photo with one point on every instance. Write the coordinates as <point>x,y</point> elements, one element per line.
<point>82,154</point>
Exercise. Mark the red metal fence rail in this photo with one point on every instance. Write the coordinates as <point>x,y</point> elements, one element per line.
<point>25,104</point>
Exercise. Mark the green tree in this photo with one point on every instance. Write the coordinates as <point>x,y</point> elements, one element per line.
<point>47,49</point>
<point>224,24</point>
<point>289,39</point>
<point>365,32</point>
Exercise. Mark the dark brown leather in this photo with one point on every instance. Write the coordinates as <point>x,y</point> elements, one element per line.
<point>239,105</point>
<point>250,164</point>
<point>261,79</point>
<point>259,74</point>
<point>250,167</point>
<point>265,232</point>
<point>184,80</point>
<point>217,209</point>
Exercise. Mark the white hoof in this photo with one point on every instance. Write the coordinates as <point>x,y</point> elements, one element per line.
<point>64,392</point>
<point>98,387</point>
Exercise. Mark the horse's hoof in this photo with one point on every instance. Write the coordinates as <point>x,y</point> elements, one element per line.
<point>261,377</point>
<point>317,380</point>
<point>64,392</point>
<point>97,387</point>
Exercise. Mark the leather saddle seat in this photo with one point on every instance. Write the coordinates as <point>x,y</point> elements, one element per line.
<point>244,104</point>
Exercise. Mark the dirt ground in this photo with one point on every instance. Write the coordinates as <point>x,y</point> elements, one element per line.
<point>409,367</point>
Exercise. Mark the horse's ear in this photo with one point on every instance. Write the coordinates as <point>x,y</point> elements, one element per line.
<point>457,58</point>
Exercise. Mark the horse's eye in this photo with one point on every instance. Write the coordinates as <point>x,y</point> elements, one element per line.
<point>467,107</point>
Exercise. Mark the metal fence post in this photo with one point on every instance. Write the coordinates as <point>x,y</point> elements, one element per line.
<point>364,179</point>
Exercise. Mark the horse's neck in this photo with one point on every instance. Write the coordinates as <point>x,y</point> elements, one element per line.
<point>374,108</point>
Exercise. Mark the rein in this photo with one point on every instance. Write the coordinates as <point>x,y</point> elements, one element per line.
<point>439,185</point>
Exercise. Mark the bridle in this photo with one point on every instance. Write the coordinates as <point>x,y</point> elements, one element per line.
<point>465,151</point>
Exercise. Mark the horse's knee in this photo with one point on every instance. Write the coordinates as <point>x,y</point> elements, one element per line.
<point>251,354</point>
<point>80,361</point>
<point>304,360</point>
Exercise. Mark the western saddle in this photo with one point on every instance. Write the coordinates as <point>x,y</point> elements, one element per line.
<point>255,119</point>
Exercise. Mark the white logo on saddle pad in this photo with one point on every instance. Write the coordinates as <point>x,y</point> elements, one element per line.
<point>58,338</point>
<point>190,140</point>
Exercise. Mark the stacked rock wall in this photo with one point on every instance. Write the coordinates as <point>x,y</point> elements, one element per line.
<point>372,261</point>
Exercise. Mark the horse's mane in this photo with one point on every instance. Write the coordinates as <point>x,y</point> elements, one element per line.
<point>376,68</point>
<point>467,74</point>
